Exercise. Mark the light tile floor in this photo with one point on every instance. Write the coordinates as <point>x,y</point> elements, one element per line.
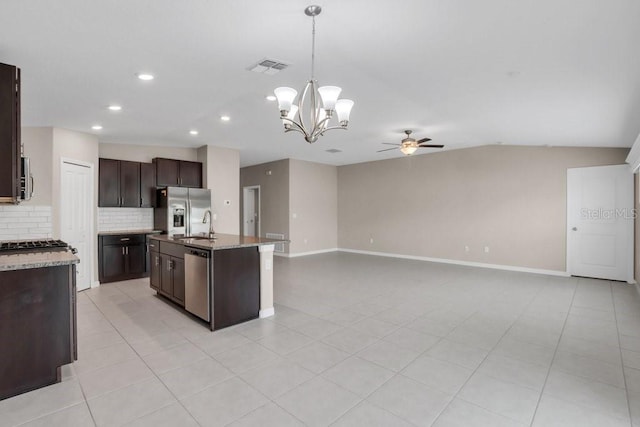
<point>357,341</point>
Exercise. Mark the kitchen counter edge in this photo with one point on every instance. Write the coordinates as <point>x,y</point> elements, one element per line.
<point>222,241</point>
<point>124,232</point>
<point>25,261</point>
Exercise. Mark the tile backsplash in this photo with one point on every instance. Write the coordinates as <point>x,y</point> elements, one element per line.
<point>25,222</point>
<point>114,219</point>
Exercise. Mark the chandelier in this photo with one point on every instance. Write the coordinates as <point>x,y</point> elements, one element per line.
<point>317,104</point>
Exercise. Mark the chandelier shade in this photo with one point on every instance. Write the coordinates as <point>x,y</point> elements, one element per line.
<point>316,104</point>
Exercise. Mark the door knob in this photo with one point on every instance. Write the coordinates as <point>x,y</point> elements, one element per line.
<point>575,228</point>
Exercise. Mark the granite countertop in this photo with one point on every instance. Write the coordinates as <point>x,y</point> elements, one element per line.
<point>117,232</point>
<point>25,261</point>
<point>222,241</point>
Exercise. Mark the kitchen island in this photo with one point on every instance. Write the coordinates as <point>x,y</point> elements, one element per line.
<point>37,319</point>
<point>224,281</point>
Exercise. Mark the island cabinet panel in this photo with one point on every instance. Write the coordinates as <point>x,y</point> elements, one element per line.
<point>178,279</point>
<point>236,286</point>
<point>37,327</point>
<point>178,173</point>
<point>155,265</point>
<point>168,279</point>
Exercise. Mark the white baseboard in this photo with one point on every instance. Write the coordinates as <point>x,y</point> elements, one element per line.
<point>465,263</point>
<point>299,254</point>
<point>95,284</point>
<point>267,312</point>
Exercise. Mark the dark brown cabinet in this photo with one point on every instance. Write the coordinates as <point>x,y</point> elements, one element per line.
<point>236,286</point>
<point>147,185</point>
<point>9,134</point>
<point>125,184</point>
<point>155,266</point>
<point>190,174</point>
<point>38,327</point>
<point>118,183</point>
<point>178,173</point>
<point>167,270</point>
<point>121,257</point>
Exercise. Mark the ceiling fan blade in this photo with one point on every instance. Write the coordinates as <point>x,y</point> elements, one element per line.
<point>388,143</point>
<point>420,141</point>
<point>430,146</point>
<point>387,149</point>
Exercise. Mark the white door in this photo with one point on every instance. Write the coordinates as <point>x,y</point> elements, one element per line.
<point>600,222</point>
<point>76,216</point>
<point>251,207</point>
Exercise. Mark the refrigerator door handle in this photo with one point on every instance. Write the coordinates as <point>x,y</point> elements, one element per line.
<point>187,218</point>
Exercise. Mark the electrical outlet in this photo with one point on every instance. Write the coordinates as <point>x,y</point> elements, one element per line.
<point>215,216</point>
<point>466,249</point>
<point>305,241</point>
<point>294,215</point>
<point>486,249</point>
<point>371,240</point>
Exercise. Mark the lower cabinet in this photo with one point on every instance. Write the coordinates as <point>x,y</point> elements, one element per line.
<point>167,270</point>
<point>37,327</point>
<point>121,257</point>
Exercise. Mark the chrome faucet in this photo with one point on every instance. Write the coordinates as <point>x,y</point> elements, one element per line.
<point>204,221</point>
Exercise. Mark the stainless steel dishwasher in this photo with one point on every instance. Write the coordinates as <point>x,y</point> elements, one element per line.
<point>197,272</point>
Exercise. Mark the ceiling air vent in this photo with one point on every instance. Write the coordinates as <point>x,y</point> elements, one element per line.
<point>333,150</point>
<point>268,66</point>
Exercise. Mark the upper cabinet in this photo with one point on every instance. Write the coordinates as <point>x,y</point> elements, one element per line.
<point>178,173</point>
<point>9,134</point>
<point>147,185</point>
<point>119,184</point>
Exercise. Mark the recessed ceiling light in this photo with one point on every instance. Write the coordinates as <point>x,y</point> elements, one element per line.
<point>114,107</point>
<point>193,132</point>
<point>225,118</point>
<point>270,98</point>
<point>96,127</point>
<point>145,76</point>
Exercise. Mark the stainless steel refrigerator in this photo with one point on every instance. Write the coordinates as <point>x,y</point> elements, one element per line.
<point>180,211</point>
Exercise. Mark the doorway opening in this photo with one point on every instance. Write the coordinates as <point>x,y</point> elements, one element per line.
<point>251,210</point>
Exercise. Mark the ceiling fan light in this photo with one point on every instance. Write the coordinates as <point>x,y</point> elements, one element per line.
<point>408,149</point>
<point>329,95</point>
<point>343,109</point>
<point>285,96</point>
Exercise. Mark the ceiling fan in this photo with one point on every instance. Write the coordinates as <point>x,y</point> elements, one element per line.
<point>409,145</point>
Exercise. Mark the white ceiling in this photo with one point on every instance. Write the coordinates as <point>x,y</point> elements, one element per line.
<point>464,73</point>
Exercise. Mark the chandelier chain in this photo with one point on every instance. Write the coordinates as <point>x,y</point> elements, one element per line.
<point>313,47</point>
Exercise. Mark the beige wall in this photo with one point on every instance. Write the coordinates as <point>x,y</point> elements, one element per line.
<point>221,174</point>
<point>313,205</point>
<point>511,199</point>
<point>274,195</point>
<point>38,146</point>
<point>145,153</point>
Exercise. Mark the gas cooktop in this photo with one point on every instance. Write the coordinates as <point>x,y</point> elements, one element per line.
<point>24,246</point>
